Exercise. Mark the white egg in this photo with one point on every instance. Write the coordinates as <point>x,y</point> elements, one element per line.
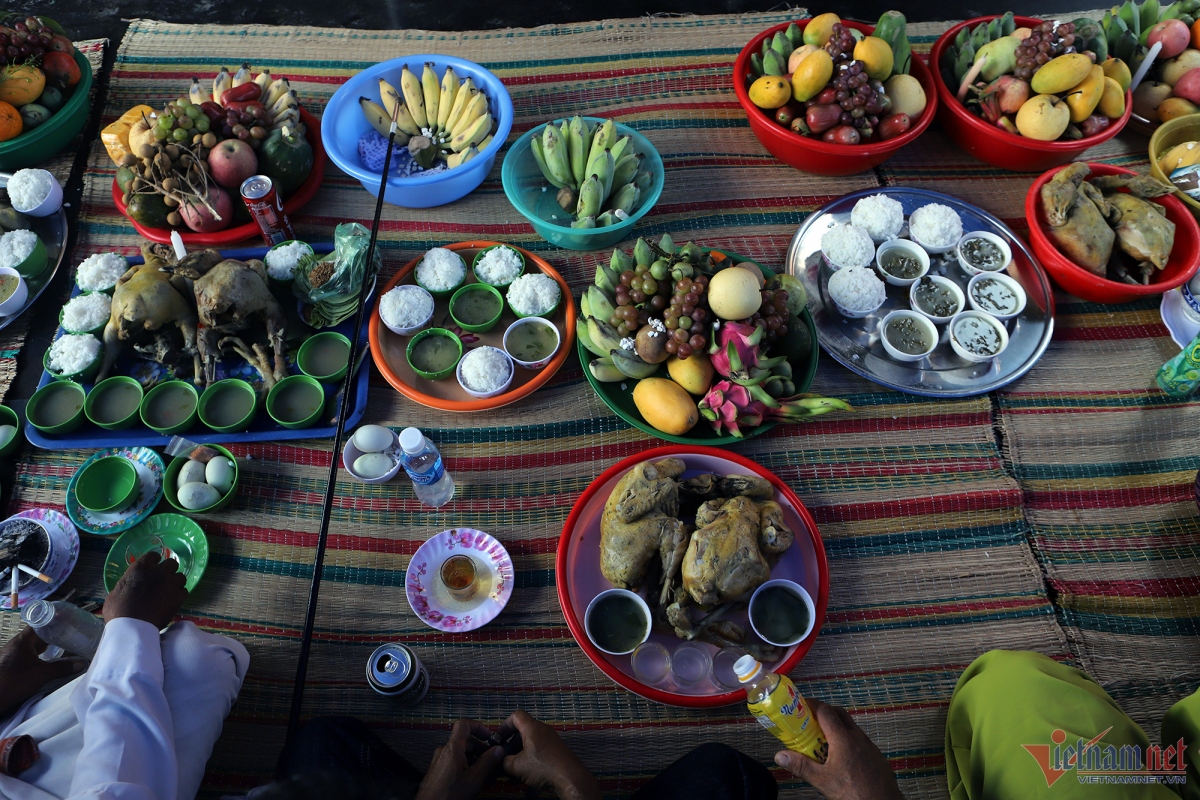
<point>192,472</point>
<point>373,465</point>
<point>373,438</point>
<point>197,495</point>
<point>219,474</point>
<point>7,432</point>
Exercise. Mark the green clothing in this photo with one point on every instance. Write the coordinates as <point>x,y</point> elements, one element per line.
<point>1016,718</point>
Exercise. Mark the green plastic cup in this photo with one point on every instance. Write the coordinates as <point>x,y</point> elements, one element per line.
<point>296,401</point>
<point>171,477</point>
<point>170,407</point>
<point>96,331</point>
<point>108,484</point>
<point>98,413</point>
<point>228,406</point>
<point>459,298</point>
<point>314,356</point>
<point>9,417</point>
<point>34,263</point>
<point>428,333</point>
<point>56,408</point>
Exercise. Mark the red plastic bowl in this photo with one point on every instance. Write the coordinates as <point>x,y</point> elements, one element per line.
<point>814,155</point>
<point>1185,256</point>
<point>993,145</point>
<point>239,233</point>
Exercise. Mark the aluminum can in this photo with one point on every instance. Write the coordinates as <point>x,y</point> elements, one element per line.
<point>266,206</point>
<point>395,671</point>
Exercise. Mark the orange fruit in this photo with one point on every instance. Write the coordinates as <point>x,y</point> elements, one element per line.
<point>10,122</point>
<point>1196,34</point>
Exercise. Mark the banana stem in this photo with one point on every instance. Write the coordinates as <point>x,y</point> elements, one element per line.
<point>970,77</point>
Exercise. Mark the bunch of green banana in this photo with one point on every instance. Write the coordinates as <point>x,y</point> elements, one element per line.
<point>443,118</point>
<point>959,57</point>
<point>617,357</point>
<point>598,176</point>
<point>776,50</point>
<point>1127,27</point>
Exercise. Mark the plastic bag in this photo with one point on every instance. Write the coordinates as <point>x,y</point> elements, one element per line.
<point>331,285</point>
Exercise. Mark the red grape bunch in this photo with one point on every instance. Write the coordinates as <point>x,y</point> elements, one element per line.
<point>862,100</point>
<point>31,40</point>
<point>688,318</point>
<point>772,315</point>
<point>1046,42</point>
<point>841,44</point>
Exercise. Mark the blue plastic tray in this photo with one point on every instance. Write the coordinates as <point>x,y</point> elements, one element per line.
<point>264,429</point>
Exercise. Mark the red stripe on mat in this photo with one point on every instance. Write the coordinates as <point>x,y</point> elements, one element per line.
<point>927,608</point>
<point>1158,587</point>
<point>1110,498</point>
<point>1110,333</point>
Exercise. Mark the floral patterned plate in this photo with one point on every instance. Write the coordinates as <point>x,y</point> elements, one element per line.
<point>433,603</point>
<point>64,552</point>
<point>150,470</point>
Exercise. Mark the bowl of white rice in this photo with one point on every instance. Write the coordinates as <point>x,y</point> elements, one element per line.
<point>935,227</point>
<point>35,192</point>
<point>86,313</point>
<point>498,265</point>
<point>534,295</point>
<point>283,258</point>
<point>100,272</point>
<point>856,291</point>
<point>847,246</point>
<point>74,357</point>
<point>23,251</point>
<point>879,215</point>
<point>485,372</point>
<point>406,309</point>
<point>441,272</point>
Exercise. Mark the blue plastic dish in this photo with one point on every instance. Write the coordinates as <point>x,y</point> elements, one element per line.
<point>343,124</point>
<point>531,194</point>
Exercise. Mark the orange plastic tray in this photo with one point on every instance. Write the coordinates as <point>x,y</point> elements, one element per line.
<point>387,349</point>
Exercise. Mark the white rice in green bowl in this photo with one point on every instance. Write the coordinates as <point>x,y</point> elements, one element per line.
<point>533,293</point>
<point>441,270</point>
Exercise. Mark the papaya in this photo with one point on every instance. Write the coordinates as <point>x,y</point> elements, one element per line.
<point>115,135</point>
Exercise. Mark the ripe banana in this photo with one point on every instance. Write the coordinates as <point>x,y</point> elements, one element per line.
<point>456,159</point>
<point>287,100</point>
<point>222,83</point>
<point>473,135</point>
<point>475,109</point>
<point>487,140</point>
<point>449,93</point>
<point>581,333</point>
<point>278,87</point>
<point>289,115</point>
<point>432,92</point>
<point>414,97</point>
<point>376,115</point>
<point>577,144</point>
<point>465,92</point>
<point>589,198</point>
<point>626,169</point>
<point>196,94</point>
<point>554,149</point>
<point>632,364</point>
<point>535,145</point>
<point>605,371</point>
<point>393,104</point>
<point>263,81</point>
<point>243,75</point>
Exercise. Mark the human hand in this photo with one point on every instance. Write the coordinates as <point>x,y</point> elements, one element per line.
<point>23,674</point>
<point>152,590</point>
<point>545,761</point>
<point>450,776</point>
<point>854,770</point>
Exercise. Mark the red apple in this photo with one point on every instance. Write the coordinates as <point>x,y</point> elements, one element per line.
<point>199,218</point>
<point>231,162</point>
<point>1173,34</point>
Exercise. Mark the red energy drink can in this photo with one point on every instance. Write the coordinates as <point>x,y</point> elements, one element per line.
<point>266,206</point>
<point>395,671</point>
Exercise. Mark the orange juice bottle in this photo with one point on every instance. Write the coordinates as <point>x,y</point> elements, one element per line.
<point>778,707</point>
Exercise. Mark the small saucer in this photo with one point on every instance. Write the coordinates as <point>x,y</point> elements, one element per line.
<point>432,602</point>
<point>150,471</point>
<point>1182,329</point>
<point>64,552</point>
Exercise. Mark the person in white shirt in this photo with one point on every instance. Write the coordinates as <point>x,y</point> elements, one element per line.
<point>140,724</point>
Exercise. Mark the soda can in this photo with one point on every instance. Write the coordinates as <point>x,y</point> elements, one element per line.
<point>395,671</point>
<point>266,206</point>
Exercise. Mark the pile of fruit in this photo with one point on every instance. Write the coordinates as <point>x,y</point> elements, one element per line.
<point>1172,85</point>
<point>444,119</point>
<point>725,335</point>
<point>830,80</point>
<point>182,166</point>
<point>38,74</point>
<point>1051,82</point>
<point>598,176</point>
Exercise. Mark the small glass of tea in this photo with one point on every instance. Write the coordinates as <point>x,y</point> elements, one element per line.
<point>459,576</point>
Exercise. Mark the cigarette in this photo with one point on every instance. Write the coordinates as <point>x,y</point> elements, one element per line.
<point>41,576</point>
<point>16,574</point>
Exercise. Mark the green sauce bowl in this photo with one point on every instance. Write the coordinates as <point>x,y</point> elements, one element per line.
<point>82,376</point>
<point>484,251</point>
<point>425,334</point>
<point>158,400</point>
<point>41,411</point>
<point>220,394</point>
<point>108,484</point>
<point>482,327</point>
<point>314,344</point>
<point>106,386</point>
<point>9,417</point>
<point>306,392</point>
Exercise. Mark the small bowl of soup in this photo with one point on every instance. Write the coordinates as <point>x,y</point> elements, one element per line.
<point>170,407</point>
<point>296,401</point>
<point>782,613</point>
<point>531,342</point>
<point>977,336</point>
<point>113,403</point>
<point>228,406</point>
<point>617,621</point>
<point>981,251</point>
<point>56,408</point>
<point>937,298</point>
<point>434,353</point>
<point>13,291</point>
<point>907,335</point>
<point>996,294</point>
<point>901,262</point>
<point>324,356</point>
<point>477,307</point>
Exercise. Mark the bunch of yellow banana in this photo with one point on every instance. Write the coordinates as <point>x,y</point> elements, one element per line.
<point>599,176</point>
<point>438,118</point>
<point>275,95</point>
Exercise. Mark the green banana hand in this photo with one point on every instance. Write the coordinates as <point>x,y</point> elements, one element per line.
<point>625,199</point>
<point>621,149</point>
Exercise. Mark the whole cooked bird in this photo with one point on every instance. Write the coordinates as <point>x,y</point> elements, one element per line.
<point>728,552</point>
<point>1143,231</point>
<point>1078,216</point>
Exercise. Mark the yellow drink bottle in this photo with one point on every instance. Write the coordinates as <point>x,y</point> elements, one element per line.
<point>778,707</point>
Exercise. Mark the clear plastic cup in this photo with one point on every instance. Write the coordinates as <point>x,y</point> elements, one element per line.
<point>691,663</point>
<point>651,663</point>
<point>722,667</point>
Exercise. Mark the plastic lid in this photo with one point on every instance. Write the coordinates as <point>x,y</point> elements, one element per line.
<point>747,668</point>
<point>412,440</point>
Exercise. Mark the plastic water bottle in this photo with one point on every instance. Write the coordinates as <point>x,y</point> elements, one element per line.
<point>64,626</point>
<point>423,463</point>
<point>778,707</point>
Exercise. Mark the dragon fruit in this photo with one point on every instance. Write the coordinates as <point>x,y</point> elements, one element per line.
<point>735,353</point>
<point>731,406</point>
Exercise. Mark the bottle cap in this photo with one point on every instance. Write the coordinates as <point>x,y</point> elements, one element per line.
<point>412,440</point>
<point>37,613</point>
<point>746,668</point>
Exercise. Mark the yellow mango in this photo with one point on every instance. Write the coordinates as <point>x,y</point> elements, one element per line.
<point>694,373</point>
<point>1118,70</point>
<point>877,55</point>
<point>1112,100</point>
<point>1060,74</point>
<point>819,28</point>
<point>1044,118</point>
<point>1174,107</point>
<point>665,405</point>
<point>811,76</point>
<point>770,91</point>
<point>1083,99</point>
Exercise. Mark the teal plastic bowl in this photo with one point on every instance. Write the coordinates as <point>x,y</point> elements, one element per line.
<point>524,183</point>
<point>48,139</point>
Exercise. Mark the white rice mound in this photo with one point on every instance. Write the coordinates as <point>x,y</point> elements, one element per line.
<point>499,266</point>
<point>441,270</point>
<point>86,311</point>
<point>485,369</point>
<point>282,261</point>
<point>100,271</point>
<point>533,293</point>
<point>879,215</point>
<point>406,306</point>
<point>935,225</point>
<point>857,289</point>
<point>15,247</point>
<point>27,188</point>
<point>848,246</point>
<point>73,352</point>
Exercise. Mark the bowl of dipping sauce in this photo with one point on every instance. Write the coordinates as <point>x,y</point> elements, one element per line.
<point>907,335</point>
<point>13,291</point>
<point>107,484</point>
<point>476,307</point>
<point>937,298</point>
<point>617,621</point>
<point>324,356</point>
<point>113,403</point>
<point>531,342</point>
<point>901,262</point>
<point>434,353</point>
<point>228,406</point>
<point>170,407</point>
<point>996,294</point>
<point>980,251</point>
<point>56,408</point>
<point>977,336</point>
<point>782,613</point>
<point>10,431</point>
<point>296,401</point>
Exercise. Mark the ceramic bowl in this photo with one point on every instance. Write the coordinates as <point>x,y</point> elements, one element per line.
<point>180,397</point>
<point>541,362</point>
<point>10,418</point>
<point>107,386</point>
<point>967,267</point>
<point>40,414</point>
<point>904,247</point>
<point>429,333</point>
<point>108,484</point>
<point>587,618</point>
<point>987,319</point>
<point>443,293</point>
<point>50,204</point>
<point>350,454</point>
<point>296,418</point>
<point>851,313</point>
<point>484,395</point>
<point>479,327</point>
<point>1012,285</point>
<point>954,288</point>
<point>316,342</point>
<point>479,257</point>
<point>921,321</point>
<point>82,376</point>
<point>16,300</point>
<point>794,588</point>
<point>216,400</point>
<point>409,331</point>
<point>171,478</point>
